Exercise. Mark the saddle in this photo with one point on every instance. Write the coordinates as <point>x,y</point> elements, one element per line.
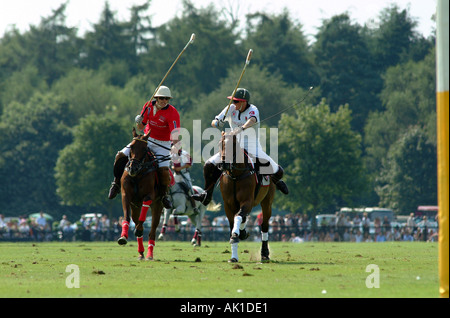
<point>262,180</point>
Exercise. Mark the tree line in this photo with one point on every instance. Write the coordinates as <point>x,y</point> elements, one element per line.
<point>365,136</point>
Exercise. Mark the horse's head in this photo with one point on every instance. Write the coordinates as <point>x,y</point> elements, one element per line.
<point>138,153</point>
<point>231,152</point>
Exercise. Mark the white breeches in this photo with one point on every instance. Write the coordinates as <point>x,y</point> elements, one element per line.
<point>255,151</point>
<point>161,149</point>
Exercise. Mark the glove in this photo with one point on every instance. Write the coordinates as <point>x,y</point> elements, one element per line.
<point>219,123</point>
<point>139,119</point>
<point>237,131</point>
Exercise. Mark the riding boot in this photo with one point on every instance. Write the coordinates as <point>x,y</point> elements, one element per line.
<point>119,166</point>
<point>276,178</point>
<point>211,174</point>
<point>164,183</point>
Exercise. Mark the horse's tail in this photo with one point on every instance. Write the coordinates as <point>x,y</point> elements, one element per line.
<point>213,206</point>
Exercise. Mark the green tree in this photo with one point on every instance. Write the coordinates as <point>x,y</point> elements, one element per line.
<point>347,74</point>
<point>280,46</point>
<point>83,171</point>
<point>22,84</point>
<point>44,53</point>
<point>31,136</point>
<point>109,42</point>
<point>205,62</point>
<point>395,40</point>
<point>409,176</point>
<point>409,99</point>
<point>322,159</point>
<point>87,91</point>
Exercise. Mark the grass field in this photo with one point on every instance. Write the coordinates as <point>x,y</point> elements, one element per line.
<point>305,270</point>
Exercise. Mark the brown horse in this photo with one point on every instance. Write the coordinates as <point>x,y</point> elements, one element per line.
<point>238,185</point>
<point>139,193</point>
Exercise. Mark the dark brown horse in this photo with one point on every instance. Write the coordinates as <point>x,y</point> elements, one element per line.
<point>238,185</point>
<point>139,193</point>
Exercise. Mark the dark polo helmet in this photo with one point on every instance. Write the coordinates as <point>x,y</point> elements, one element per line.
<point>241,95</point>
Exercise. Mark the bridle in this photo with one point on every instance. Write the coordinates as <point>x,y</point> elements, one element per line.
<point>136,166</point>
<point>233,170</point>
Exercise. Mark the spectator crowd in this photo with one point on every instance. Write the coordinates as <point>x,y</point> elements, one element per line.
<point>289,228</point>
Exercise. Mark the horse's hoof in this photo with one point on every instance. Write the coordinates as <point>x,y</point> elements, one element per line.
<point>122,240</point>
<point>243,235</point>
<point>234,238</point>
<point>233,260</point>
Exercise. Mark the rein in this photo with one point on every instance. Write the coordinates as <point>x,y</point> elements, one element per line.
<point>144,167</point>
<point>229,168</point>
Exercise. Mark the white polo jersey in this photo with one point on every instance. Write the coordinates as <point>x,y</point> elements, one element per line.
<point>249,138</point>
<point>237,119</point>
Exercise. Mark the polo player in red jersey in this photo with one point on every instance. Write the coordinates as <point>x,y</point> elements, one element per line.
<point>163,122</point>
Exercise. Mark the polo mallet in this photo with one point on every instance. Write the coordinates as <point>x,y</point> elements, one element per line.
<point>247,61</point>
<point>170,69</point>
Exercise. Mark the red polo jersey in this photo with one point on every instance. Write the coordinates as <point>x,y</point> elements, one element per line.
<point>162,123</point>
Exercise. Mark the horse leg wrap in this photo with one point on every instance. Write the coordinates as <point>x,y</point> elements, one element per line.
<point>234,251</point>
<point>141,248</point>
<point>151,245</point>
<point>237,224</point>
<point>144,210</point>
<point>264,236</point>
<point>125,227</point>
<point>265,246</point>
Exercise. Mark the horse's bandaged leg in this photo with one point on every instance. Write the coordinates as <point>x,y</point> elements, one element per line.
<point>144,210</point>
<point>125,227</point>
<point>264,236</point>
<point>151,245</point>
<point>234,251</point>
<point>140,241</point>
<point>237,224</point>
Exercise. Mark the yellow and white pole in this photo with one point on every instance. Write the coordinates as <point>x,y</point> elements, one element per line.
<point>442,70</point>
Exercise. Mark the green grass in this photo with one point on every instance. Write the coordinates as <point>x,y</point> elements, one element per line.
<point>407,270</point>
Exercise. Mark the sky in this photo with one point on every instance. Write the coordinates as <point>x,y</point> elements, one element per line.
<point>310,13</point>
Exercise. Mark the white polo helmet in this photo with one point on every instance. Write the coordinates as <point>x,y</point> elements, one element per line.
<point>163,91</point>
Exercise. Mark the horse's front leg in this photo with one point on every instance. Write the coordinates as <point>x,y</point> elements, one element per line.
<point>197,239</point>
<point>126,217</point>
<point>267,213</point>
<point>165,223</point>
<point>157,209</point>
<point>139,228</point>
<point>240,221</point>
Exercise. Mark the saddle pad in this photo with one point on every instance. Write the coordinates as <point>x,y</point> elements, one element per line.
<point>172,178</point>
<point>265,181</point>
